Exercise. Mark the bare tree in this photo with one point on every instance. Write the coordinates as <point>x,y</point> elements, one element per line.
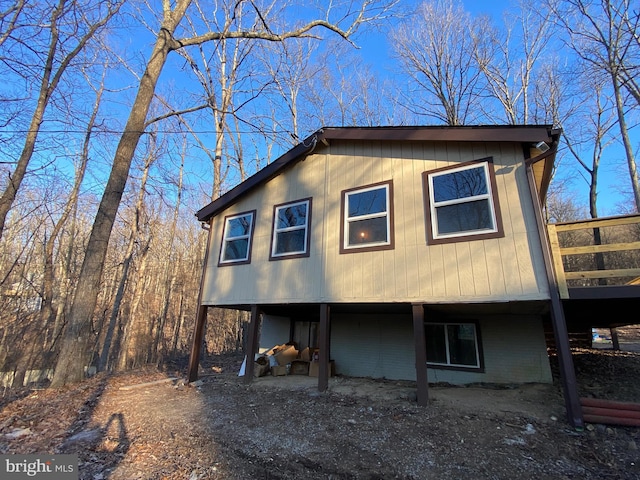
<point>135,241</point>
<point>436,50</point>
<point>508,59</point>
<point>218,70</point>
<point>9,19</point>
<point>594,129</point>
<point>599,34</point>
<point>630,61</point>
<point>74,349</point>
<point>70,26</point>
<point>47,312</point>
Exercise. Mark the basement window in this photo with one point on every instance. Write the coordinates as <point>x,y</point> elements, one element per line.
<point>453,345</point>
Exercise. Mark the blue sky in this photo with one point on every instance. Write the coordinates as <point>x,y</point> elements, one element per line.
<point>613,176</point>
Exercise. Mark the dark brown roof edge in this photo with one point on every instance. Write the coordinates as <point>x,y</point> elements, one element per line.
<point>262,176</point>
<point>465,133</point>
<point>468,133</point>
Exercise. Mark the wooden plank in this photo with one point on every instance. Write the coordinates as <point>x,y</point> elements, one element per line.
<point>620,272</point>
<point>610,247</point>
<point>594,223</point>
<point>557,261</point>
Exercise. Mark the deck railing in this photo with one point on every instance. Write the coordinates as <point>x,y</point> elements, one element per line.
<point>591,253</point>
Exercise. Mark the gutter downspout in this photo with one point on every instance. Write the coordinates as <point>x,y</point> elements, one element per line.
<point>567,370</point>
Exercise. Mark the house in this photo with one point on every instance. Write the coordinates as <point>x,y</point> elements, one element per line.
<point>414,253</point>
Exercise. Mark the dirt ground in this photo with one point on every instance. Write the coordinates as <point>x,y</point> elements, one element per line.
<point>148,424</point>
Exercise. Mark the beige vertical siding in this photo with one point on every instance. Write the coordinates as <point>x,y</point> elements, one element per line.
<point>504,269</point>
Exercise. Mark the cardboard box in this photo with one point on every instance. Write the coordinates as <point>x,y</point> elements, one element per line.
<point>279,370</point>
<point>314,368</point>
<point>305,355</point>
<point>299,367</point>
<point>286,354</point>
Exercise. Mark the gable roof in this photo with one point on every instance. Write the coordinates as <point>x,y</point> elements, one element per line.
<point>525,134</point>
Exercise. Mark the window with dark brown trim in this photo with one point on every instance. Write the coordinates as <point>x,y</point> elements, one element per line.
<point>367,218</point>
<point>462,203</point>
<point>454,345</point>
<point>290,234</point>
<point>236,239</point>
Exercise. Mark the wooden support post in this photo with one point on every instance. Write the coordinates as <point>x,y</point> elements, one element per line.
<point>561,334</point>
<point>421,354</point>
<point>201,318</point>
<point>196,346</point>
<point>252,343</point>
<point>324,340</point>
<point>557,261</point>
<point>615,341</point>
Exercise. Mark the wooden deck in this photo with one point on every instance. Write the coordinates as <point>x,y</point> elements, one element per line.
<point>597,266</point>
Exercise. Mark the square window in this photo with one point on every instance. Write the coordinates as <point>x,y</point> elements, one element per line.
<point>236,239</point>
<point>291,230</point>
<point>367,218</point>
<point>462,203</point>
<point>452,345</point>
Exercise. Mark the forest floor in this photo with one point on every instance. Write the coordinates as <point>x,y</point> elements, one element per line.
<point>147,424</point>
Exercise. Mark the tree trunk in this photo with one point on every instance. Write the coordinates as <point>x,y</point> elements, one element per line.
<point>74,352</point>
<point>134,236</point>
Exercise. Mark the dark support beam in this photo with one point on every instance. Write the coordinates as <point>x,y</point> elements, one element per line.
<point>252,343</point>
<point>421,354</point>
<point>324,341</point>
<point>565,360</point>
<point>196,346</point>
<point>614,338</point>
<point>201,317</point>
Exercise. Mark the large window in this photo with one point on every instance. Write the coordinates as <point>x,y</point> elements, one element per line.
<point>291,230</point>
<point>367,218</point>
<point>236,239</point>
<point>453,345</point>
<point>462,203</point>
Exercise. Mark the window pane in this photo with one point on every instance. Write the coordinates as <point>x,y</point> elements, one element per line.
<point>236,249</point>
<point>464,217</point>
<point>462,344</point>
<point>366,203</point>
<point>292,216</point>
<point>461,184</point>
<point>237,227</point>
<point>290,242</point>
<point>373,230</point>
<point>436,348</point>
